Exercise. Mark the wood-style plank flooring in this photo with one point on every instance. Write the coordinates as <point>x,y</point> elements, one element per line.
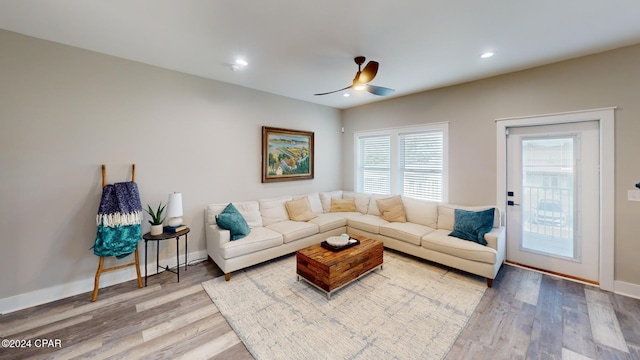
<point>526,315</point>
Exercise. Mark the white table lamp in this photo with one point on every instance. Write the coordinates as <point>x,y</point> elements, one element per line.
<point>174,209</point>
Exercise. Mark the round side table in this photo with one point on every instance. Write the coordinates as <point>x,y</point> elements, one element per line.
<point>166,236</point>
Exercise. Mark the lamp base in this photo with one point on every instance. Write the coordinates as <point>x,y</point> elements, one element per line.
<point>175,221</point>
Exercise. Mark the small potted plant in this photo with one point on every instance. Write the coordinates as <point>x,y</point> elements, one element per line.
<point>156,219</point>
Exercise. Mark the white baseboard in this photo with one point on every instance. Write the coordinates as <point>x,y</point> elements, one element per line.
<point>627,289</point>
<point>43,296</point>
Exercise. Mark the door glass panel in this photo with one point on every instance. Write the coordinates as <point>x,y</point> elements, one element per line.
<point>548,196</point>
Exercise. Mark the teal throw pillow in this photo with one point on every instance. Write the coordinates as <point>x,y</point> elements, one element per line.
<point>231,219</point>
<point>472,225</point>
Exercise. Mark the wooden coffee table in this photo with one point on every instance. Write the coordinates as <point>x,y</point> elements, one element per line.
<point>329,271</point>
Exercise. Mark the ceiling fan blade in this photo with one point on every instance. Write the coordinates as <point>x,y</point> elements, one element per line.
<point>369,72</point>
<point>335,91</point>
<point>379,90</point>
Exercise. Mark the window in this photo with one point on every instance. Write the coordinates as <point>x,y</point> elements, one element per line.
<point>375,164</point>
<point>411,161</point>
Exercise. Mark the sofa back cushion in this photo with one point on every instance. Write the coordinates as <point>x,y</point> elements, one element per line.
<point>273,210</point>
<point>373,204</point>
<point>362,200</point>
<point>250,211</point>
<point>421,212</point>
<point>325,199</point>
<point>314,201</point>
<point>446,215</point>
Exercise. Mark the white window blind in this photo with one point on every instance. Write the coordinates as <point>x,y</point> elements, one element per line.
<point>421,164</point>
<point>411,161</point>
<point>375,164</point>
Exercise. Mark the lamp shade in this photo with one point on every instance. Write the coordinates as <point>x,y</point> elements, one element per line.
<point>174,205</point>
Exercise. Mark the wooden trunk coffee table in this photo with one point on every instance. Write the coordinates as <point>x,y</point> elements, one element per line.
<point>328,270</point>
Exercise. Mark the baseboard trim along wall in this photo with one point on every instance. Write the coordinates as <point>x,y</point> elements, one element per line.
<point>627,289</point>
<point>43,296</point>
<point>54,293</point>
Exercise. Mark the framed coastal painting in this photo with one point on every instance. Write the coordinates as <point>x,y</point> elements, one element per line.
<point>286,154</point>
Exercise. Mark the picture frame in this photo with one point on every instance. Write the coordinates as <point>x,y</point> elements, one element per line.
<point>286,154</point>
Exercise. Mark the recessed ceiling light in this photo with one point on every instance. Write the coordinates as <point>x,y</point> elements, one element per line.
<point>239,64</point>
<point>346,94</point>
<point>486,55</point>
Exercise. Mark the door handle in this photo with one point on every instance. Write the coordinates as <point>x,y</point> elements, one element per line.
<point>511,203</point>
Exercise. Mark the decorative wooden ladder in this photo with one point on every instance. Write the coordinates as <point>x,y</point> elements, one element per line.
<point>101,268</point>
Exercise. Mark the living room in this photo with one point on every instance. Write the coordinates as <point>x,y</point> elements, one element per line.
<point>65,111</point>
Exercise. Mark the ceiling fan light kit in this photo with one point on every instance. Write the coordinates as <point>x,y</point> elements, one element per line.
<point>363,77</point>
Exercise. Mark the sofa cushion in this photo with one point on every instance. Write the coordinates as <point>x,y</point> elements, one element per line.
<point>259,239</point>
<point>421,212</point>
<point>343,205</point>
<point>472,225</point>
<point>328,222</point>
<point>250,210</point>
<point>314,200</point>
<point>231,219</point>
<point>373,204</point>
<point>300,209</point>
<point>347,215</point>
<point>370,223</point>
<point>392,209</point>
<point>325,199</point>
<point>362,200</point>
<point>440,241</point>
<point>446,215</point>
<point>407,232</point>
<point>273,210</point>
<point>294,230</point>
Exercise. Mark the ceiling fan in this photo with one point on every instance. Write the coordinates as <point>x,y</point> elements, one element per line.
<point>363,77</point>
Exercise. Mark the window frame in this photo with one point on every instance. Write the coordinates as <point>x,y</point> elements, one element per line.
<point>395,151</point>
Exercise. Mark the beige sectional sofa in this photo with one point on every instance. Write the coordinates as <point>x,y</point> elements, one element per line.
<point>424,232</point>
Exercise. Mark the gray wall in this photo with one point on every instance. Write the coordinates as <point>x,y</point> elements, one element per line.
<point>602,80</point>
<point>65,111</point>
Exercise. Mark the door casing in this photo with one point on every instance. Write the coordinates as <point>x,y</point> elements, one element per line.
<point>605,118</point>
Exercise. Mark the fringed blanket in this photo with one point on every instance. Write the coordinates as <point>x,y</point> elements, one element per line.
<point>119,218</point>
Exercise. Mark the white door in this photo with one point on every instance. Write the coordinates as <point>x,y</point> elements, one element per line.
<point>553,198</point>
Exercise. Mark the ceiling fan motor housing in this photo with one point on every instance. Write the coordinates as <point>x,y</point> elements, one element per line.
<point>363,77</point>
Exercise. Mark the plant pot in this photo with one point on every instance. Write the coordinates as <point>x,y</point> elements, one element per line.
<point>156,229</point>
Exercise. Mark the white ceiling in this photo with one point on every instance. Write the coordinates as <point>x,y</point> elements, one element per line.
<point>296,48</point>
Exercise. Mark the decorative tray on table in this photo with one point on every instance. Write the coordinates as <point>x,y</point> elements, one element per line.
<point>351,243</point>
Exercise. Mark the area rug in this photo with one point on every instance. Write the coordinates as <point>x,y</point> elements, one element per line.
<point>410,309</point>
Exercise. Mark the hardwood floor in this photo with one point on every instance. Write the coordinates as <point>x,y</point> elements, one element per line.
<point>526,315</point>
<point>165,320</point>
